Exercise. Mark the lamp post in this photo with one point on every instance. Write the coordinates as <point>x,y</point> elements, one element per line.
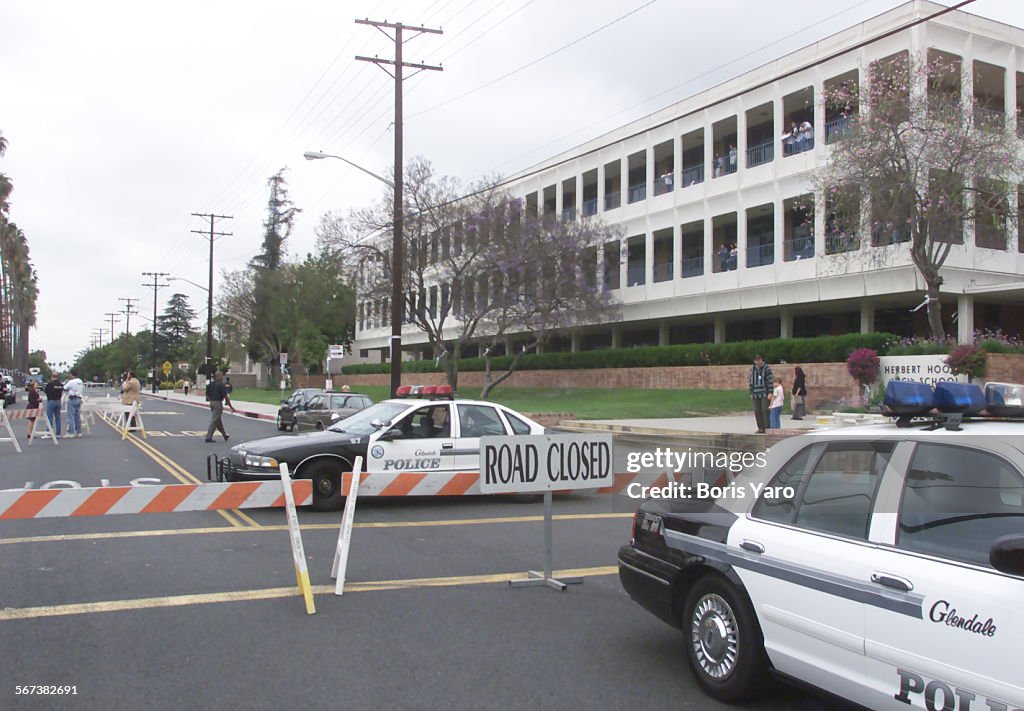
<point>209,325</point>
<point>396,269</point>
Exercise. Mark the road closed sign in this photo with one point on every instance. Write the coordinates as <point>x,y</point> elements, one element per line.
<point>531,463</point>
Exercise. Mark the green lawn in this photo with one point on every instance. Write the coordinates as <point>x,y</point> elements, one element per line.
<point>586,403</point>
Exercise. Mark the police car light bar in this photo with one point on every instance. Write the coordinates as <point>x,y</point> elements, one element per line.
<point>403,390</point>
<point>950,402</point>
<point>425,391</point>
<point>1004,399</point>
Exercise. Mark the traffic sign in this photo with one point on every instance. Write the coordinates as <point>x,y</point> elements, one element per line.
<point>522,464</point>
<point>284,359</point>
<point>167,367</point>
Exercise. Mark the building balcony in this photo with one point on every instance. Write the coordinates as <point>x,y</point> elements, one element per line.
<point>989,119</point>
<point>663,272</point>
<point>838,242</point>
<point>637,193</point>
<point>568,214</point>
<point>589,207</point>
<point>797,248</point>
<point>664,184</point>
<point>760,154</point>
<point>692,267</point>
<point>760,254</point>
<point>802,142</point>
<point>694,175</point>
<point>837,129</point>
<point>612,200</point>
<point>990,236</point>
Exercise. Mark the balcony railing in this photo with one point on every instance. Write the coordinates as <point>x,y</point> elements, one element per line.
<point>990,236</point>
<point>635,276</point>
<point>990,119</point>
<point>664,184</point>
<point>725,164</point>
<point>663,272</point>
<point>884,235</point>
<point>692,267</point>
<point>799,142</point>
<point>590,207</point>
<point>612,200</point>
<point>837,129</point>
<point>694,175</point>
<point>637,193</point>
<point>797,248</point>
<point>760,254</point>
<point>760,154</point>
<point>568,214</point>
<point>838,242</point>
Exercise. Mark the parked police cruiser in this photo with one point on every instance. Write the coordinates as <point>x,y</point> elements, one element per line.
<point>439,438</point>
<point>883,564</point>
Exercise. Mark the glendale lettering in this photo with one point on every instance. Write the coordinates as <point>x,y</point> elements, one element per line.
<point>943,613</point>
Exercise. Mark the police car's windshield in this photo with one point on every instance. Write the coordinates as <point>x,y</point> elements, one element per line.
<point>361,423</point>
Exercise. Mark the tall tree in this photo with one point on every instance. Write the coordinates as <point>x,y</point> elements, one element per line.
<point>929,161</point>
<point>174,327</point>
<point>265,340</point>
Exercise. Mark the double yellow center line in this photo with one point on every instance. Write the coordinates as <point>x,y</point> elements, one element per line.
<point>234,517</point>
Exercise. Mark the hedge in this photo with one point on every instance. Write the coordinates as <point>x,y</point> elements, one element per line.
<point>823,349</point>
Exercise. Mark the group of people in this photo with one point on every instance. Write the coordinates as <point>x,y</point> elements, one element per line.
<point>769,396</point>
<point>727,257</point>
<point>57,392</point>
<point>725,162</point>
<point>799,138</point>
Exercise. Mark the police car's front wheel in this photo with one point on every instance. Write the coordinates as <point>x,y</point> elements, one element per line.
<point>724,642</point>
<point>326,478</point>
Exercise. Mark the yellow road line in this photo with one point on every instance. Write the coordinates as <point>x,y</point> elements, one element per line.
<point>65,537</point>
<point>174,469</point>
<point>86,608</point>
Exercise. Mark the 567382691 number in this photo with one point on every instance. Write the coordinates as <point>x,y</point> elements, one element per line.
<point>45,690</point>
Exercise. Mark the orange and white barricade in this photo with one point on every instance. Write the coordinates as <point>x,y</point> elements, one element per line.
<point>42,426</point>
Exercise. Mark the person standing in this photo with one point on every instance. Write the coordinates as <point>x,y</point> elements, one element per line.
<point>185,385</point>
<point>799,393</point>
<point>778,401</point>
<point>760,383</point>
<point>217,395</point>
<point>74,389</point>
<point>131,392</point>
<point>34,400</point>
<point>54,392</point>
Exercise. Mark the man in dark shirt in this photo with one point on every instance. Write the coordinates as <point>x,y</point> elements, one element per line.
<point>54,392</point>
<point>217,395</point>
<point>760,384</point>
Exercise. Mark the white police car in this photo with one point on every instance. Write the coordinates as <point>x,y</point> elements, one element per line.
<point>883,563</point>
<point>424,442</point>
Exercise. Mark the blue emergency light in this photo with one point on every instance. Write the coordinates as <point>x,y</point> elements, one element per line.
<point>959,397</point>
<point>905,397</point>
<point>1005,399</point>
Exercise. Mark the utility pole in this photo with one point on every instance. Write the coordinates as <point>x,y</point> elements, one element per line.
<point>113,319</point>
<point>156,286</point>
<point>97,337</point>
<point>128,313</point>
<point>209,292</point>
<point>397,295</point>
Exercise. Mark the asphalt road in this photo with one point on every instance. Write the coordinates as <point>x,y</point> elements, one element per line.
<point>201,610</point>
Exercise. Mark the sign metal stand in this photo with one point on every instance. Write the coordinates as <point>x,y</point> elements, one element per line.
<point>546,578</point>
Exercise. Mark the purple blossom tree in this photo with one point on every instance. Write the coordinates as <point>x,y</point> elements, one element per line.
<point>929,156</point>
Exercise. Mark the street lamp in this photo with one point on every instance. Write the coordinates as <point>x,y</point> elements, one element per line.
<point>209,321</point>
<point>396,268</point>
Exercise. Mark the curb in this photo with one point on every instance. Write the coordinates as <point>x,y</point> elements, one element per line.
<point>244,413</point>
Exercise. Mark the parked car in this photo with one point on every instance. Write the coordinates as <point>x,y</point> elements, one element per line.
<point>324,409</point>
<point>296,402</point>
<point>881,563</point>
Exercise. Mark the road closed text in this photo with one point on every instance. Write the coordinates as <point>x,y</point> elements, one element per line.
<point>544,462</point>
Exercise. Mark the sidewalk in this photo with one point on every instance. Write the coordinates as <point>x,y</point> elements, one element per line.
<point>257,410</point>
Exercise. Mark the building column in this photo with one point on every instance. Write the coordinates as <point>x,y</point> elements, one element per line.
<point>867,317</point>
<point>719,328</point>
<point>785,323</point>
<point>965,318</point>
<point>616,336</point>
<point>663,333</point>
<point>559,198</point>
<point>574,342</point>
<point>600,189</point>
<point>709,246</point>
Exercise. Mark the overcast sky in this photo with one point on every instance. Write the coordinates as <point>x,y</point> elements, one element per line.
<point>125,117</point>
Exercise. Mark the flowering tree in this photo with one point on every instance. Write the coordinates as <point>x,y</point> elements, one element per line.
<point>929,159</point>
<point>864,366</point>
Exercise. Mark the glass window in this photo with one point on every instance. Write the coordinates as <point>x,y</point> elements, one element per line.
<point>425,423</point>
<point>519,427</point>
<point>957,501</point>
<point>836,495</point>
<point>316,403</point>
<point>480,421</point>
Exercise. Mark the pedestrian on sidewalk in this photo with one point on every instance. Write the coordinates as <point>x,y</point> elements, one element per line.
<point>54,392</point>
<point>778,401</point>
<point>217,395</point>
<point>74,389</point>
<point>760,384</point>
<point>185,385</point>
<point>799,393</point>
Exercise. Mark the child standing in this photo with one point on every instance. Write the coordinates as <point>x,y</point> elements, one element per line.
<point>775,408</point>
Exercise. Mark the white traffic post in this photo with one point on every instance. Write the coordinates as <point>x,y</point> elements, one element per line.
<point>345,533</point>
<point>298,554</point>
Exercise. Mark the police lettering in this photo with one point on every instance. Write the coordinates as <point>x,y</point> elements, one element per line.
<point>940,696</point>
<point>942,613</point>
<point>411,465</point>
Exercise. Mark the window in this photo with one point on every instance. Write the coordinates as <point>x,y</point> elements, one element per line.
<point>958,501</point>
<point>316,403</point>
<point>480,421</point>
<point>424,423</point>
<point>518,426</point>
<point>835,496</point>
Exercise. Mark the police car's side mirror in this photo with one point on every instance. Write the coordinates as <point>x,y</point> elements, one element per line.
<point>388,436</point>
<point>1007,554</point>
